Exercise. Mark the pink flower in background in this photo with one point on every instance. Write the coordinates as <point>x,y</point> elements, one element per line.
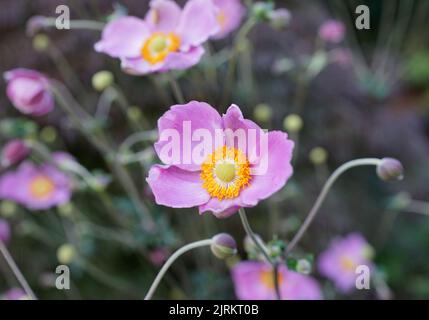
<point>4,231</point>
<point>15,294</point>
<point>340,260</point>
<point>226,178</point>
<point>332,31</point>
<point>229,15</point>
<point>341,56</point>
<point>254,281</point>
<point>13,152</point>
<point>28,91</point>
<point>158,256</point>
<point>169,38</point>
<point>36,188</point>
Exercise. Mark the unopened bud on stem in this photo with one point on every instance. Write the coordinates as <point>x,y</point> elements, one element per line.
<point>223,246</point>
<point>390,169</point>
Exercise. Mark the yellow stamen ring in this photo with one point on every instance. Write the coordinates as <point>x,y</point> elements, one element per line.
<point>41,187</point>
<point>159,46</point>
<point>225,173</point>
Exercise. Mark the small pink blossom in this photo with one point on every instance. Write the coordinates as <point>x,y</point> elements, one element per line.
<point>13,152</point>
<point>15,294</point>
<point>254,281</point>
<point>332,31</point>
<point>158,256</point>
<point>28,91</point>
<point>168,38</point>
<point>340,260</point>
<point>36,188</point>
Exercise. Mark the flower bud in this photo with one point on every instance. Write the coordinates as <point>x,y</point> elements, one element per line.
<point>390,169</point>
<point>293,123</point>
<point>279,18</point>
<point>48,134</point>
<point>262,10</point>
<point>102,79</point>
<point>332,31</point>
<point>41,42</point>
<point>262,112</point>
<point>7,208</point>
<point>318,155</point>
<point>66,253</point>
<point>13,152</point>
<point>134,113</point>
<point>303,266</point>
<point>223,246</point>
<point>4,231</point>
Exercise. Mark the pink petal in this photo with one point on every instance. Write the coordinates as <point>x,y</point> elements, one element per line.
<point>139,66</point>
<point>222,208</point>
<point>123,37</point>
<point>197,23</point>
<point>278,169</point>
<point>233,12</point>
<point>185,120</point>
<point>176,188</point>
<point>184,60</point>
<point>164,15</point>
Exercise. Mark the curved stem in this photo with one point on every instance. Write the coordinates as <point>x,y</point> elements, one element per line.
<point>335,175</point>
<point>46,22</point>
<point>170,261</point>
<point>261,248</point>
<point>18,274</point>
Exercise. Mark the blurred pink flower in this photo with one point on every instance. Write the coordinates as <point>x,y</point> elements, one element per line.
<point>13,152</point>
<point>254,281</point>
<point>229,15</point>
<point>332,31</point>
<point>36,188</point>
<point>158,256</point>
<point>4,231</point>
<point>15,294</point>
<point>169,37</point>
<point>340,260</point>
<point>341,56</point>
<point>28,91</point>
<point>225,179</point>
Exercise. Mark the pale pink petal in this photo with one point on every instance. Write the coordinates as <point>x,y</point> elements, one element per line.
<point>176,188</point>
<point>139,66</point>
<point>184,120</point>
<point>229,16</point>
<point>197,23</point>
<point>123,37</point>
<point>184,60</point>
<point>164,15</point>
<point>278,169</point>
<point>222,208</point>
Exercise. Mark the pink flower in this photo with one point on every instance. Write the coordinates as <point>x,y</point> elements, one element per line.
<point>15,294</point>
<point>254,281</point>
<point>4,231</point>
<point>169,37</point>
<point>13,152</point>
<point>229,15</point>
<point>158,256</point>
<point>28,91</point>
<point>332,31</point>
<point>340,260</point>
<point>204,167</point>
<point>36,188</point>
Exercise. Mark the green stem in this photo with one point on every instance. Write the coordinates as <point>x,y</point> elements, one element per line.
<point>18,274</point>
<point>335,175</point>
<point>46,22</point>
<point>178,94</point>
<point>170,261</point>
<point>261,248</point>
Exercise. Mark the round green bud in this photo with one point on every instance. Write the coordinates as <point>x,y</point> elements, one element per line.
<point>66,253</point>
<point>293,123</point>
<point>318,155</point>
<point>7,208</point>
<point>48,134</point>
<point>262,112</point>
<point>101,80</point>
<point>223,246</point>
<point>303,266</point>
<point>41,42</point>
<point>134,113</point>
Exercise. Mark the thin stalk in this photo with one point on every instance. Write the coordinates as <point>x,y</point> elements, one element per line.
<point>18,274</point>
<point>325,190</point>
<point>47,22</point>
<point>170,261</point>
<point>261,248</point>
<point>178,94</point>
